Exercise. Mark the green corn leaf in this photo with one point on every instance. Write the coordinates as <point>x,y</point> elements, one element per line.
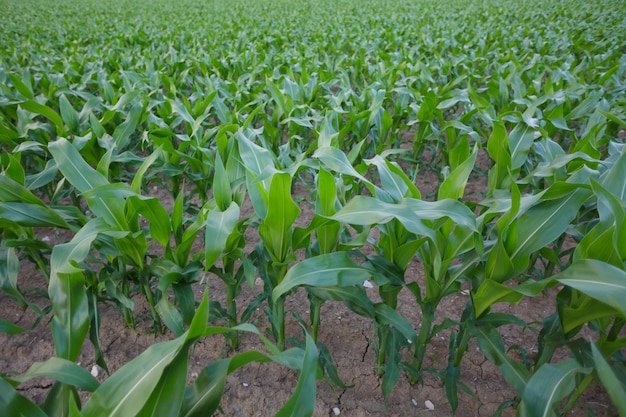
<point>276,228</point>
<point>42,109</point>
<point>141,171</point>
<point>74,167</point>
<point>255,160</point>
<point>454,185</point>
<point>203,397</point>
<point>121,135</point>
<point>598,280</point>
<point>219,226</point>
<point>222,190</point>
<point>44,177</point>
<point>14,404</point>
<point>585,310</point>
<point>157,215</point>
<point>69,115</point>
<point>10,328</point>
<point>166,399</point>
<point>332,269</point>
<point>492,346</point>
<point>396,185</point>
<point>12,191</point>
<point>354,296</point>
<point>9,268</point>
<point>521,139</point>
<point>70,322</point>
<point>24,86</point>
<point>131,389</point>
<point>615,178</point>
<point>63,371</point>
<point>61,400</point>
<point>388,316</point>
<point>170,316</point>
<point>337,161</point>
<point>325,204</point>
<point>546,221</point>
<point>499,266</point>
<point>549,385</point>
<point>31,215</point>
<point>66,289</point>
<point>614,387</point>
<point>302,401</point>
<point>126,392</point>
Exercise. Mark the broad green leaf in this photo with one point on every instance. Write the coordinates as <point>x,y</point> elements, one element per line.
<point>354,296</point>
<point>170,316</point>
<point>332,269</point>
<point>412,213</point>
<point>276,228</point>
<point>393,183</point>
<point>66,289</point>
<point>492,346</point>
<point>597,279</point>
<point>521,139</point>
<point>222,190</point>
<point>69,115</point>
<point>42,109</point>
<point>74,167</point>
<point>121,135</point>
<point>157,215</point>
<point>302,401</point>
<point>12,191</point>
<point>546,221</point>
<point>10,328</point>
<point>325,204</point>
<point>61,400</point>
<point>126,392</point>
<point>203,397</point>
<point>549,385</point>
<point>337,161</point>
<point>454,185</point>
<point>143,168</point>
<point>388,316</point>
<point>14,404</point>
<point>167,398</point>
<point>61,370</point>
<point>70,322</point>
<point>219,226</point>
<point>613,386</point>
<point>9,268</point>
<point>31,215</point>
<point>615,178</point>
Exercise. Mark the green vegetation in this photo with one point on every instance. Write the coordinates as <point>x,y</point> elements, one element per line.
<point>224,102</point>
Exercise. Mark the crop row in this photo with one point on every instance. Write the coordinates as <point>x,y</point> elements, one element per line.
<point>225,105</point>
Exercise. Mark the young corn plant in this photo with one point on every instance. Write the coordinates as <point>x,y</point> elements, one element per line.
<point>155,383</point>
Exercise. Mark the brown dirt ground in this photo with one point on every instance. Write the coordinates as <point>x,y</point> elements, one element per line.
<point>261,389</point>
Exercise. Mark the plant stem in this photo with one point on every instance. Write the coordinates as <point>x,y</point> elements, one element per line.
<point>232,314</point>
<point>278,314</point>
<point>383,334</point>
<point>428,316</point>
<point>316,307</point>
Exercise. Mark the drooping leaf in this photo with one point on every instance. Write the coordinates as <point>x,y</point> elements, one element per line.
<point>13,403</point>
<point>549,385</point>
<point>614,387</point>
<point>302,401</point>
<point>332,269</point>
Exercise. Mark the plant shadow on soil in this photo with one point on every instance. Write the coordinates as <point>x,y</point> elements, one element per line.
<point>261,389</point>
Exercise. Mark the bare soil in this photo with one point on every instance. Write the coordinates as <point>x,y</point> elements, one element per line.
<point>261,389</point>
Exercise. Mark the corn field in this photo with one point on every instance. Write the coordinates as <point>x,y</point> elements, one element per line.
<point>300,152</point>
